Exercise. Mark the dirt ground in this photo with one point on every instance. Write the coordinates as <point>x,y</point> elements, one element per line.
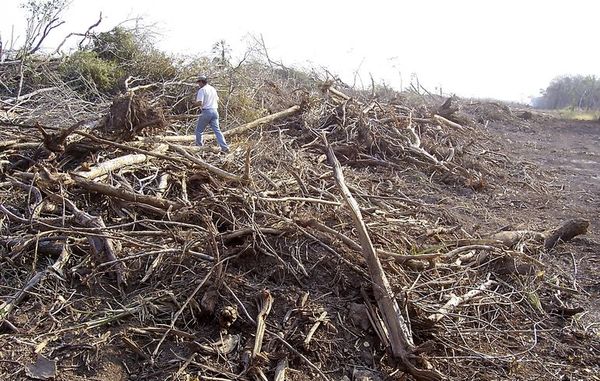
<point>568,152</point>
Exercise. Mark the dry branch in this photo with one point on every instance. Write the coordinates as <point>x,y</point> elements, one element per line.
<point>126,195</point>
<point>99,244</point>
<point>417,176</point>
<point>264,302</point>
<point>455,301</point>
<point>399,333</point>
<point>440,119</point>
<point>204,165</point>
<point>234,131</point>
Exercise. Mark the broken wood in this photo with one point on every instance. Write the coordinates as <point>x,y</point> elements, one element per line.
<point>399,333</point>
<point>513,237</point>
<point>314,328</point>
<point>118,163</point>
<point>264,303</point>
<point>455,301</point>
<point>282,366</point>
<point>566,232</point>
<point>204,165</point>
<point>440,119</point>
<point>234,131</point>
<point>100,244</point>
<point>126,195</point>
<point>58,266</point>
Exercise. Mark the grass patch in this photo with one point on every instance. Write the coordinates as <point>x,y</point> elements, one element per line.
<point>579,114</point>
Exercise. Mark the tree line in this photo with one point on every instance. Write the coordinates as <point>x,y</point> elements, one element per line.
<point>572,91</point>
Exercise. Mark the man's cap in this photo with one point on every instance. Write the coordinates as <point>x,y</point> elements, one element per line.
<point>202,78</point>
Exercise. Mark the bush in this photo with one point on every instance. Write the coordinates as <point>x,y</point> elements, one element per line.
<point>137,57</point>
<point>117,45</point>
<point>87,66</point>
<point>153,65</point>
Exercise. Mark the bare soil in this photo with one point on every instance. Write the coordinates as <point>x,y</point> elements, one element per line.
<point>568,152</point>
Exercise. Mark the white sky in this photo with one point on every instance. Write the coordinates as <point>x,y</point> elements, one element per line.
<point>504,49</point>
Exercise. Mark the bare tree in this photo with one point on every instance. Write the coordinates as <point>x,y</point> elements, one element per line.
<point>43,17</point>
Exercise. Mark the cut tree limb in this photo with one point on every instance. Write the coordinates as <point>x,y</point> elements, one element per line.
<point>399,333</point>
<point>118,163</point>
<point>455,301</point>
<point>126,195</point>
<point>209,167</point>
<point>100,244</point>
<point>440,119</point>
<point>510,238</point>
<point>237,130</point>
<point>566,232</point>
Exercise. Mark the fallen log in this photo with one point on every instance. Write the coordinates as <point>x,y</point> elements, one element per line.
<point>510,238</point>
<point>566,232</point>
<point>118,163</point>
<point>237,130</point>
<point>399,333</point>
<point>551,238</point>
<point>107,190</point>
<point>126,195</point>
<point>440,119</point>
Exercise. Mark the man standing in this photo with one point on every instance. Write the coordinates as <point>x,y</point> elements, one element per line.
<point>208,100</point>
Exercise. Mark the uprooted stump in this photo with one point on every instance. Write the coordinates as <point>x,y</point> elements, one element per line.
<point>128,115</point>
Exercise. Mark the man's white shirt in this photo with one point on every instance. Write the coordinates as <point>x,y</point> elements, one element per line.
<point>208,96</point>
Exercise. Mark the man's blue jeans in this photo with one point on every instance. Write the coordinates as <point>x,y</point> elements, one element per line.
<point>210,116</point>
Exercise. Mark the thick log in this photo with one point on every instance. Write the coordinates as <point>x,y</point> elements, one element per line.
<point>112,165</point>
<point>511,238</point>
<point>120,162</point>
<point>566,232</point>
<point>125,194</point>
<point>440,119</point>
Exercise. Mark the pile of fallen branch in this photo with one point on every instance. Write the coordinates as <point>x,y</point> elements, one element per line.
<point>336,240</point>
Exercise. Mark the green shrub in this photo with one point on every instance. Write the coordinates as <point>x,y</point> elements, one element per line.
<point>85,66</point>
<point>118,45</point>
<point>154,66</point>
<point>135,55</point>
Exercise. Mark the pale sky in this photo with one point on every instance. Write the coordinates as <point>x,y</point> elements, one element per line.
<point>504,49</point>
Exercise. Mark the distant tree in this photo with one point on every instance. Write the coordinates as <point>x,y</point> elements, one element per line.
<point>577,91</point>
<point>222,51</point>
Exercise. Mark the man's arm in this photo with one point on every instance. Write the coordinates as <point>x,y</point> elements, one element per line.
<point>199,100</point>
